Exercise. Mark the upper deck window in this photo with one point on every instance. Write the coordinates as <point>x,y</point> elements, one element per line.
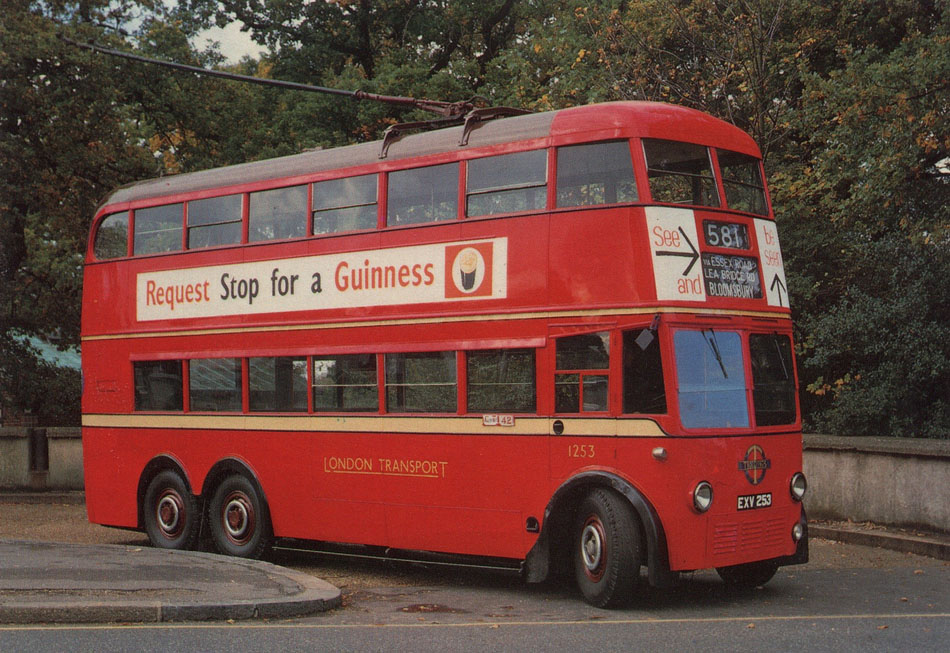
<point>423,195</point>
<point>158,229</point>
<point>596,173</point>
<point>279,213</point>
<point>680,173</point>
<point>507,184</point>
<point>112,239</point>
<point>347,204</point>
<point>214,221</point>
<point>742,180</point>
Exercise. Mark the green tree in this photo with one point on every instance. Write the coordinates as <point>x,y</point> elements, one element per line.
<point>865,208</point>
<point>74,125</point>
<point>443,49</point>
<point>848,99</point>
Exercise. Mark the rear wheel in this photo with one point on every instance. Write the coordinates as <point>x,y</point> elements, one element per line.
<point>749,575</point>
<point>170,512</point>
<point>238,519</point>
<point>607,549</point>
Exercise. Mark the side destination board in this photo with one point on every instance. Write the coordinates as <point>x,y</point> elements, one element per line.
<point>732,276</point>
<point>682,272</point>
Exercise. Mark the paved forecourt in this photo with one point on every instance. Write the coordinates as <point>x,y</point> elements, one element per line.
<point>42,582</point>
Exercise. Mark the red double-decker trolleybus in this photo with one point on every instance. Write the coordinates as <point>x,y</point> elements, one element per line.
<point>555,340</point>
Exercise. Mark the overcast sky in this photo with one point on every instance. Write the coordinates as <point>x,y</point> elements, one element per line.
<point>234,43</point>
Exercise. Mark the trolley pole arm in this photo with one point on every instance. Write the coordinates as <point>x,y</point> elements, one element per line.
<point>447,109</point>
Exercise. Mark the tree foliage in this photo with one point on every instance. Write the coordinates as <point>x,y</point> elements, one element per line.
<point>848,99</point>
<point>73,126</point>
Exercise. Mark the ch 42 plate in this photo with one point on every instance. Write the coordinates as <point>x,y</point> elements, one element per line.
<point>753,501</point>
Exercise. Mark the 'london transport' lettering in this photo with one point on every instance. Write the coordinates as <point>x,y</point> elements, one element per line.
<point>384,466</point>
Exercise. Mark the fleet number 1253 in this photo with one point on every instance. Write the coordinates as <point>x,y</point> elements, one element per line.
<point>580,450</point>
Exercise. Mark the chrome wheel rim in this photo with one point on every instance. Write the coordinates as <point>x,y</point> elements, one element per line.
<point>593,548</point>
<point>169,514</point>
<point>238,518</point>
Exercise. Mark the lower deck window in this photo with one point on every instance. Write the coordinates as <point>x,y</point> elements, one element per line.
<point>421,382</point>
<point>711,379</point>
<point>157,385</point>
<point>278,384</point>
<point>345,383</point>
<point>501,380</point>
<point>580,382</point>
<point>214,384</point>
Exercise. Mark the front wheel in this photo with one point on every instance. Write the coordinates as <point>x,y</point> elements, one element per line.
<point>170,512</point>
<point>238,519</point>
<point>607,549</point>
<point>749,575</point>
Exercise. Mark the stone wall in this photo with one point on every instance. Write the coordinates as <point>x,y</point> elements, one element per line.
<point>41,458</point>
<point>889,481</point>
<point>894,481</point>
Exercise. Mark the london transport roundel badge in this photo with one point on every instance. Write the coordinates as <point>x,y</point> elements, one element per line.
<point>754,464</point>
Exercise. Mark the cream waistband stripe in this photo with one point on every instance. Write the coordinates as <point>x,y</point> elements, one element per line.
<point>522,426</point>
<point>496,317</point>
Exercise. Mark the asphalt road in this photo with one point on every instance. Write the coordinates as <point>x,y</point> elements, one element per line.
<point>848,598</point>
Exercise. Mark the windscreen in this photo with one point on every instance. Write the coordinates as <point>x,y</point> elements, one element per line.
<point>711,379</point>
<point>773,379</point>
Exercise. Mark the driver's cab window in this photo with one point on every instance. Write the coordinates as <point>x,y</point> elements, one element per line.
<point>644,390</point>
<point>581,377</point>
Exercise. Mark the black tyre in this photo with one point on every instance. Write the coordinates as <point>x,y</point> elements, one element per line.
<point>747,576</point>
<point>170,512</point>
<point>607,549</point>
<point>238,519</point>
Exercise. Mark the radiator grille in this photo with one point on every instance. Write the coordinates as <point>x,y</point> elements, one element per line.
<point>747,536</point>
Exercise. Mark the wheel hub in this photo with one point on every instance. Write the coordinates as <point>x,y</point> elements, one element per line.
<point>592,548</point>
<point>238,518</point>
<point>169,514</point>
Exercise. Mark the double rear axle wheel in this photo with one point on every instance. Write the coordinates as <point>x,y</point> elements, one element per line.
<point>607,549</point>
<point>238,519</point>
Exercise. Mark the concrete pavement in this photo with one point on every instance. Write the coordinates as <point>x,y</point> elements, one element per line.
<point>905,540</point>
<point>43,582</point>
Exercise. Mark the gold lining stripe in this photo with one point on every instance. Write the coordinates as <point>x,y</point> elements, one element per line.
<point>533,425</point>
<point>497,317</point>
